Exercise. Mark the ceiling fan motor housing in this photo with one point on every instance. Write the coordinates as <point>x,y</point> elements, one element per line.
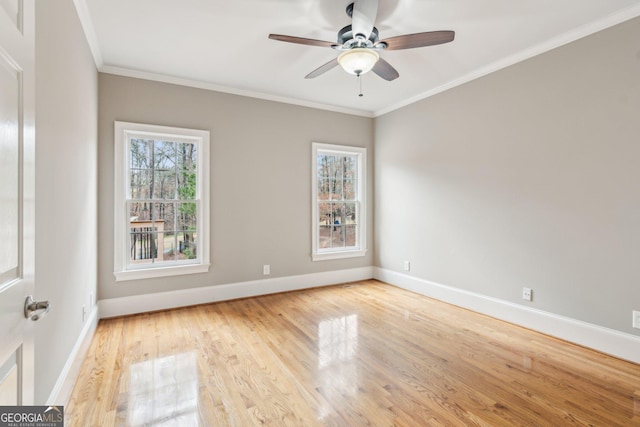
<point>347,39</point>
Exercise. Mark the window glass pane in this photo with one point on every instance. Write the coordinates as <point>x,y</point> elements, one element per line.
<point>324,163</point>
<point>164,156</point>
<point>139,211</point>
<point>323,189</point>
<point>186,216</point>
<point>338,236</point>
<point>350,213</point>
<point>186,230</point>
<point>349,189</point>
<point>186,156</point>
<point>140,182</point>
<point>338,212</point>
<point>164,184</point>
<point>139,153</point>
<point>170,252</point>
<point>350,167</point>
<point>324,236</point>
<point>335,188</point>
<point>350,235</point>
<point>334,167</point>
<point>146,231</point>
<point>329,225</point>
<point>187,246</point>
<point>324,214</point>
<point>164,216</point>
<point>335,176</point>
<point>144,243</point>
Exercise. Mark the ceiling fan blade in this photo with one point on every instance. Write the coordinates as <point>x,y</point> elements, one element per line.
<point>363,17</point>
<point>301,40</point>
<point>322,69</point>
<point>385,70</point>
<point>410,41</point>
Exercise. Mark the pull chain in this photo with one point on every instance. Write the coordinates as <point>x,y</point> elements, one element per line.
<point>360,84</point>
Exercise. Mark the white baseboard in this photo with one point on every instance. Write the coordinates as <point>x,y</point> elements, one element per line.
<point>67,378</point>
<point>609,341</point>
<point>164,300</point>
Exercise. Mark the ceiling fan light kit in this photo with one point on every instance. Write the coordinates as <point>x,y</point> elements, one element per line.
<point>358,61</point>
<point>360,45</point>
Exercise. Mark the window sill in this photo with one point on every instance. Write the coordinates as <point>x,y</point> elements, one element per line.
<point>150,273</point>
<point>323,256</point>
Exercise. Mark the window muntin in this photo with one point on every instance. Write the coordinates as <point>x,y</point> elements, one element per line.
<point>161,201</point>
<point>338,201</point>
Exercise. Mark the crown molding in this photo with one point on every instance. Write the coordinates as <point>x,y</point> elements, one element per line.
<point>89,31</point>
<point>555,42</point>
<point>145,75</point>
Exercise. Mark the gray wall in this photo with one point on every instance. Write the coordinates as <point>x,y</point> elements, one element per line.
<point>260,178</point>
<point>66,183</point>
<point>526,177</point>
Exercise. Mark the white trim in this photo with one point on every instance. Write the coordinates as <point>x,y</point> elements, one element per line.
<point>123,131</point>
<point>562,39</point>
<point>89,31</point>
<point>145,75</point>
<point>66,380</point>
<point>150,273</point>
<point>342,254</point>
<point>165,300</point>
<point>610,341</point>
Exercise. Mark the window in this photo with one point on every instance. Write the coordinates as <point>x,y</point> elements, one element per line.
<point>338,211</point>
<point>161,215</point>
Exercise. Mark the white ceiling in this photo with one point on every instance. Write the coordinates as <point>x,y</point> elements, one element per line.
<point>223,45</point>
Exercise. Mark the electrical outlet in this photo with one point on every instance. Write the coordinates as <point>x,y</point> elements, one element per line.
<point>527,294</point>
<point>266,269</point>
<point>636,319</point>
<point>406,266</point>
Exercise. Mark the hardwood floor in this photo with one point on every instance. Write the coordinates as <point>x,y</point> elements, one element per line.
<point>350,355</point>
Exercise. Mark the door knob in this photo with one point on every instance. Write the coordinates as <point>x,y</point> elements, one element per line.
<point>32,306</point>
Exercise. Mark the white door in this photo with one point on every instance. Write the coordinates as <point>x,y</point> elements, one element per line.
<point>17,176</point>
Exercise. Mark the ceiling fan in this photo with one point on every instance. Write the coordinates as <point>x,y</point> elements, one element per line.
<point>360,44</point>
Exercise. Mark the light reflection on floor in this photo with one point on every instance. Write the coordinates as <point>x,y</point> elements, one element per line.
<point>338,340</point>
<point>337,368</point>
<point>164,391</point>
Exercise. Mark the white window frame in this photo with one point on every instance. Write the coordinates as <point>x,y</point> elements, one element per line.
<point>318,254</point>
<point>123,133</point>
